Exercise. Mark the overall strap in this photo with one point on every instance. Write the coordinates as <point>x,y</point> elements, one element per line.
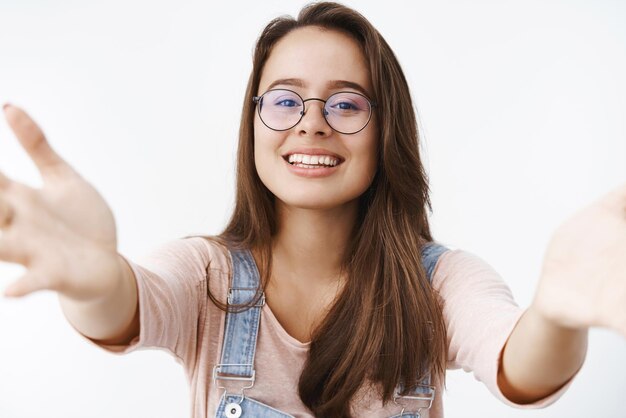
<point>241,329</point>
<point>430,254</point>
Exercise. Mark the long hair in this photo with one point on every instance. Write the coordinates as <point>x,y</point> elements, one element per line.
<point>387,324</point>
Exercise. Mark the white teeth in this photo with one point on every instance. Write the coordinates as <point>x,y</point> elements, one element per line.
<point>312,160</point>
<point>308,166</point>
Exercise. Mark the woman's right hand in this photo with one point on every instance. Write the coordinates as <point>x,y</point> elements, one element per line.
<point>64,233</point>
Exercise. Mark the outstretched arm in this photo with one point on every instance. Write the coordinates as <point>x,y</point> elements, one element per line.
<point>64,234</point>
<point>582,284</point>
<point>539,357</point>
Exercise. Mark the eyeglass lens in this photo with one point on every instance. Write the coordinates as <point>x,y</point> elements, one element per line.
<point>345,112</point>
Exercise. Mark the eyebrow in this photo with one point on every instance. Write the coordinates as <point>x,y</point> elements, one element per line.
<point>332,84</point>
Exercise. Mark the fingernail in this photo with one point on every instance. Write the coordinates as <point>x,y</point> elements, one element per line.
<point>6,106</point>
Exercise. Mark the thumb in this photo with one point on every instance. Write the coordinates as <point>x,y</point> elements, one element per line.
<point>32,139</point>
<point>23,286</point>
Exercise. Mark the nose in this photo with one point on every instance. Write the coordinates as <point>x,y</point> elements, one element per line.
<point>313,121</point>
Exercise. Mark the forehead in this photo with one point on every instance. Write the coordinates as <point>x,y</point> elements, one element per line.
<point>316,56</point>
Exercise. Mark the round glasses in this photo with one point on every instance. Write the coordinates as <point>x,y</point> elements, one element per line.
<point>346,112</point>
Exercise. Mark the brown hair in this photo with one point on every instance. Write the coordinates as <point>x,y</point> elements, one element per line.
<point>387,323</point>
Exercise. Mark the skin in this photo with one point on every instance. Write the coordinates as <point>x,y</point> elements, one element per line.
<point>64,235</point>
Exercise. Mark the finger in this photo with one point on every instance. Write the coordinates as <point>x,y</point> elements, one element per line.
<point>23,286</point>
<point>5,182</point>
<point>11,251</point>
<point>6,213</point>
<point>34,142</point>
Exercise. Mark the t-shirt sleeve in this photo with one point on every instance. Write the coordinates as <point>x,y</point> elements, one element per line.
<point>480,315</point>
<point>171,286</point>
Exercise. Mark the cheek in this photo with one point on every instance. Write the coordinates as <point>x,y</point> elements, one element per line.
<point>368,155</point>
<point>261,140</point>
<point>265,144</point>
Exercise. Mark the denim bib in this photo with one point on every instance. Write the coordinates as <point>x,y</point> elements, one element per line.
<point>240,336</point>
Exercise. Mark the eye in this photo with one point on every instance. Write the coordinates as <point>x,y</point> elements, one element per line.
<point>287,103</point>
<point>347,103</point>
<point>345,106</point>
<point>283,100</point>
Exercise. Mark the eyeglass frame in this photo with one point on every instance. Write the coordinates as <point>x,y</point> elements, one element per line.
<point>257,99</point>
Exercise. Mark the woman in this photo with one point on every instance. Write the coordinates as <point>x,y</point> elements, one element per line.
<point>354,310</point>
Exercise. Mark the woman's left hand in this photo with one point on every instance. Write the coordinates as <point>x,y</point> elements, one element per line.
<point>583,279</point>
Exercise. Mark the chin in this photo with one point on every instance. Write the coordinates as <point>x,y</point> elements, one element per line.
<point>314,202</point>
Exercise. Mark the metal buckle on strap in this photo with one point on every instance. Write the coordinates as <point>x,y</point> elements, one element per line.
<point>216,377</point>
<point>428,397</point>
<point>259,304</point>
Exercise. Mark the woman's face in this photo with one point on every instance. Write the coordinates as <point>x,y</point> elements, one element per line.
<point>315,63</point>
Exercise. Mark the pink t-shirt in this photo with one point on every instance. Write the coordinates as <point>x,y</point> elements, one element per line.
<point>177,316</point>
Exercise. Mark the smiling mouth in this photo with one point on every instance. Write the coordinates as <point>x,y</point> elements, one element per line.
<point>312,161</point>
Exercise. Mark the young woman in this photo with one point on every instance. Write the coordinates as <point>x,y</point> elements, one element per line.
<point>326,294</point>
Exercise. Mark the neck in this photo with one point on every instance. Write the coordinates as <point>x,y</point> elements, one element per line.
<point>310,244</point>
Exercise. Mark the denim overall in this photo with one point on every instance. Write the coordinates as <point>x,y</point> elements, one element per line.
<point>240,335</point>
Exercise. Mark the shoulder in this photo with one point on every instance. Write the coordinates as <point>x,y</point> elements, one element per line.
<point>216,261</point>
<point>192,255</point>
<point>217,256</point>
<point>439,259</point>
<point>458,261</point>
<point>461,274</point>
